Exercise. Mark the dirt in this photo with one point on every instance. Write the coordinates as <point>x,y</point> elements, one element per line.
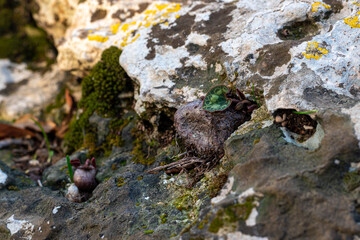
<point>301,124</point>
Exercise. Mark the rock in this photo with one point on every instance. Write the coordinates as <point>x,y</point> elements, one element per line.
<point>303,56</point>
<point>23,91</point>
<point>56,176</point>
<point>130,204</point>
<point>287,190</point>
<point>12,179</point>
<point>204,132</point>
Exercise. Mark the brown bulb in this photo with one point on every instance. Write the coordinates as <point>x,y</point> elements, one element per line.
<point>84,176</point>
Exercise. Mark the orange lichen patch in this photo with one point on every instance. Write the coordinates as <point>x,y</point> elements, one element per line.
<point>353,21</point>
<point>148,24</point>
<point>98,38</point>
<point>90,31</point>
<point>166,23</point>
<point>177,16</point>
<point>316,5</point>
<point>114,28</point>
<point>161,6</point>
<point>314,51</point>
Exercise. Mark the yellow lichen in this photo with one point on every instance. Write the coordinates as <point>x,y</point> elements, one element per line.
<point>155,14</point>
<point>352,21</point>
<point>314,51</point>
<point>114,28</point>
<point>98,38</point>
<point>176,8</point>
<point>150,12</point>
<point>136,37</point>
<point>316,5</point>
<point>161,6</point>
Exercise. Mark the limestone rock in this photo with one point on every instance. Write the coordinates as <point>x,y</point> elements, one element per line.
<point>287,190</point>
<point>303,55</point>
<point>22,90</point>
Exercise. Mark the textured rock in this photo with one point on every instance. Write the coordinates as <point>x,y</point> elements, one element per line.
<point>129,204</point>
<point>23,91</point>
<point>303,54</point>
<point>204,132</point>
<point>298,193</point>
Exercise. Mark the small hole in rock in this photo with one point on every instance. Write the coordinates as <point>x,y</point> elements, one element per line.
<point>298,30</point>
<point>301,124</point>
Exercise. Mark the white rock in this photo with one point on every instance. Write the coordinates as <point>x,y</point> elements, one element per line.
<point>16,225</point>
<point>240,235</point>
<point>251,220</point>
<point>56,209</point>
<point>3,177</point>
<point>33,90</point>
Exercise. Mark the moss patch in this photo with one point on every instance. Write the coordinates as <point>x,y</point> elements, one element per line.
<point>100,91</point>
<point>352,180</point>
<point>20,39</point>
<point>227,217</point>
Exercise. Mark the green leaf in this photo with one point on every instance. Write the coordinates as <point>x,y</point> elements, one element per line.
<point>69,168</point>
<point>50,152</point>
<point>307,112</point>
<point>216,100</point>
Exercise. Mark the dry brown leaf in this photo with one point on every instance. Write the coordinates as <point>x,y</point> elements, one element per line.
<point>8,131</point>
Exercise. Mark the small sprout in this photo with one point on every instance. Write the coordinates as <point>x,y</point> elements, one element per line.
<point>51,153</point>
<point>216,100</point>
<point>70,169</point>
<point>148,231</point>
<point>253,93</point>
<point>307,112</point>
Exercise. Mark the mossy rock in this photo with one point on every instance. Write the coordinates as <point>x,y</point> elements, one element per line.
<point>20,38</point>
<point>100,91</point>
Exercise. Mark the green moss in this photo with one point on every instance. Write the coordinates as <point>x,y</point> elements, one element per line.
<point>216,224</point>
<point>216,184</point>
<point>139,178</point>
<point>352,180</point>
<point>13,188</point>
<point>142,152</point>
<point>148,231</point>
<point>100,90</point>
<point>120,181</point>
<point>185,202</point>
<point>163,218</point>
<point>230,215</point>
<point>20,39</point>
<point>137,204</point>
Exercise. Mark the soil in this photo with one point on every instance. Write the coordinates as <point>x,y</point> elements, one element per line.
<point>301,124</point>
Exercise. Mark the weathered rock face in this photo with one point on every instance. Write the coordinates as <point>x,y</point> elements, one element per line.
<point>299,193</point>
<point>204,132</point>
<point>22,90</point>
<point>302,54</point>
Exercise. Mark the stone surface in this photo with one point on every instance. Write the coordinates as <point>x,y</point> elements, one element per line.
<point>298,193</point>
<point>128,203</point>
<point>24,91</point>
<point>303,54</point>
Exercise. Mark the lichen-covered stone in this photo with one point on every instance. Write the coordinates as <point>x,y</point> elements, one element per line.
<point>23,91</point>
